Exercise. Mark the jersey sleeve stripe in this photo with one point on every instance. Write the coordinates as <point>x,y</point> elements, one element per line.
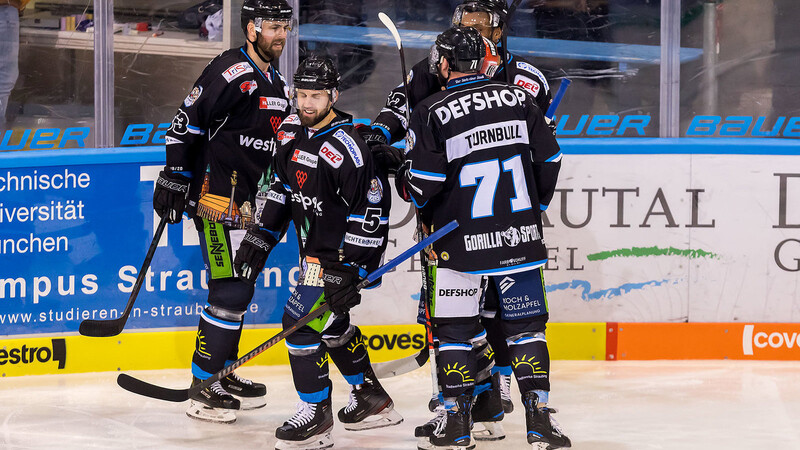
<point>555,158</point>
<point>430,176</point>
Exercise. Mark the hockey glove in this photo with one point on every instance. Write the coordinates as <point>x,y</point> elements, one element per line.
<point>340,287</point>
<point>370,135</point>
<point>252,254</point>
<point>387,158</point>
<point>551,123</point>
<point>399,183</point>
<point>170,195</point>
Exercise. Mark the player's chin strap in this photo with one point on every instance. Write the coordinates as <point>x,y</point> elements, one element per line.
<point>260,55</point>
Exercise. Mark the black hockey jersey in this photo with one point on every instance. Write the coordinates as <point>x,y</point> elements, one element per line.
<point>328,186</point>
<point>223,136</point>
<point>421,84</point>
<point>481,153</point>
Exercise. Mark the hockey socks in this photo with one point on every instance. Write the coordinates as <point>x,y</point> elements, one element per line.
<point>531,361</point>
<point>217,335</point>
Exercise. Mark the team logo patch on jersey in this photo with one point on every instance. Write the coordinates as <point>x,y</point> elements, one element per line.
<point>375,193</point>
<point>248,86</point>
<point>171,140</point>
<point>410,76</point>
<point>330,154</point>
<point>193,96</point>
<point>528,84</point>
<point>411,139</point>
<point>275,121</point>
<point>273,103</point>
<point>285,136</point>
<point>305,158</point>
<point>235,71</point>
<point>530,68</point>
<point>180,123</point>
<point>351,146</point>
<point>301,178</point>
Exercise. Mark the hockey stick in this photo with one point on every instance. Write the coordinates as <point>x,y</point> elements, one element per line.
<point>140,387</point>
<point>388,369</point>
<point>402,366</point>
<point>503,36</point>
<point>113,327</point>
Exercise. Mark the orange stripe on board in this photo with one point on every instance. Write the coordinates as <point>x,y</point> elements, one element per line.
<point>755,341</point>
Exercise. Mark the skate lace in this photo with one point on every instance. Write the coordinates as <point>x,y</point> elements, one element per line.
<point>553,422</point>
<point>218,389</point>
<point>440,420</point>
<point>505,387</point>
<point>240,379</point>
<point>305,413</point>
<point>353,403</point>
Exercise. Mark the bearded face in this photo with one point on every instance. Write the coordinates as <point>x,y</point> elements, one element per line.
<point>313,106</point>
<point>272,39</point>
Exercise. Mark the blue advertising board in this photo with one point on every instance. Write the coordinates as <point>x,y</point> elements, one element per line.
<point>74,230</point>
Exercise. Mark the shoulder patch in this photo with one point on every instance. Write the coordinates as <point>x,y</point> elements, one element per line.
<point>351,146</point>
<point>329,154</point>
<point>375,193</point>
<point>193,96</point>
<point>528,84</point>
<point>235,71</point>
<point>291,119</point>
<point>531,69</point>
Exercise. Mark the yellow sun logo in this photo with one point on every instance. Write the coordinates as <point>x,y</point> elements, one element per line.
<point>324,360</point>
<point>453,368</point>
<point>534,365</point>
<point>490,354</point>
<point>359,342</point>
<point>200,344</point>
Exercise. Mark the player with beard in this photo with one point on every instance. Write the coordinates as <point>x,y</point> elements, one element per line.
<point>325,182</point>
<point>218,148</point>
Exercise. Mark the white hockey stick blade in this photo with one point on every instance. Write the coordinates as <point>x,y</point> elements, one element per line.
<point>400,366</point>
<point>387,22</point>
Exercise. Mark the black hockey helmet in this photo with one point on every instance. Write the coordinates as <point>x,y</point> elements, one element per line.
<point>278,10</point>
<point>316,72</point>
<point>497,10</point>
<point>462,47</point>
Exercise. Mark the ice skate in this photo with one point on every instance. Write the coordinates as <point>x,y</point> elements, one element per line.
<point>212,404</point>
<point>369,407</point>
<point>309,428</point>
<point>487,414</point>
<point>252,395</point>
<point>505,393</point>
<point>452,433</point>
<point>544,433</point>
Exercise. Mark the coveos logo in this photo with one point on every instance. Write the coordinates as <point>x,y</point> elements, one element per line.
<point>779,340</point>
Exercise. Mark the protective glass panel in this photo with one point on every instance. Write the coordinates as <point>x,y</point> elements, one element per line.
<point>746,82</point>
<point>51,102</point>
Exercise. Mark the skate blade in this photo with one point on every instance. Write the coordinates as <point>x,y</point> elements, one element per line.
<point>250,403</point>
<point>206,413</point>
<point>386,418</point>
<point>317,442</point>
<point>425,444</point>
<point>488,431</point>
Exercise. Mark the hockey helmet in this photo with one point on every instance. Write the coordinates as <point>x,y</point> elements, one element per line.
<point>259,10</point>
<point>497,10</point>
<point>462,47</point>
<point>317,73</point>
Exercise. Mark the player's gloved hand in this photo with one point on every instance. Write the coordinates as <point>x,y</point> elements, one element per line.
<point>551,123</point>
<point>252,254</point>
<point>372,136</point>
<point>340,287</point>
<point>170,195</point>
<point>387,158</point>
<point>399,183</point>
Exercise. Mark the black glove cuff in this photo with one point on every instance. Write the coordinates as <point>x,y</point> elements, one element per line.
<point>263,241</point>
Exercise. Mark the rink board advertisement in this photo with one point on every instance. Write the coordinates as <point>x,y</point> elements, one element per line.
<point>640,230</point>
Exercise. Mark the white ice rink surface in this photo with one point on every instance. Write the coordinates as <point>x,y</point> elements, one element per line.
<point>602,405</point>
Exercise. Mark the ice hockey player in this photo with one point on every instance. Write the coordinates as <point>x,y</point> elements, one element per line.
<point>218,147</point>
<point>325,182</point>
<point>488,17</point>
<point>483,149</point>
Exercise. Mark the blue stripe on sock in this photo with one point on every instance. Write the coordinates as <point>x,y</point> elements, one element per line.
<point>502,370</point>
<point>481,388</point>
<point>462,437</point>
<point>197,372</point>
<point>314,397</point>
<point>355,379</point>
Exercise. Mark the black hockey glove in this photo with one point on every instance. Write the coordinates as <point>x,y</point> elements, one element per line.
<point>371,135</point>
<point>387,158</point>
<point>170,195</point>
<point>340,287</point>
<point>252,255</point>
<point>399,183</point>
